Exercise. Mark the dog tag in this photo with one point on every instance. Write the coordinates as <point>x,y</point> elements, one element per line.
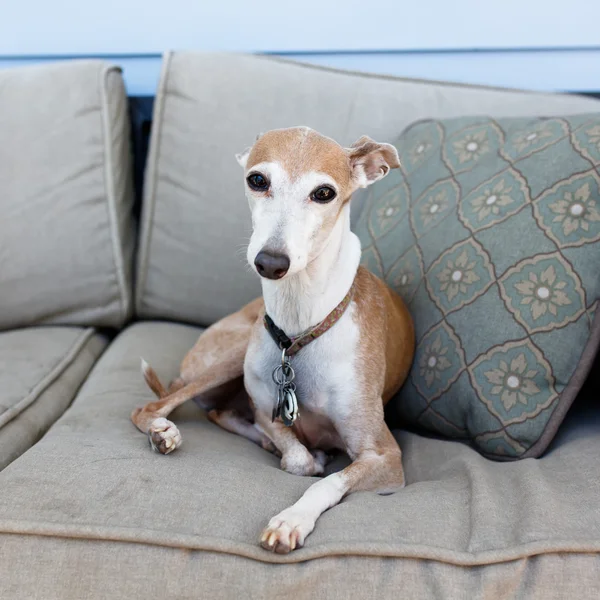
<point>289,407</point>
<point>286,405</point>
<point>278,403</point>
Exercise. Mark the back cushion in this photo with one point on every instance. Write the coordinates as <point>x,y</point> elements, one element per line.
<point>191,265</point>
<point>65,196</point>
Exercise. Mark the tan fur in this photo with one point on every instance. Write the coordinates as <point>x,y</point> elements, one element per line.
<point>382,315</point>
<point>301,150</point>
<point>213,380</point>
<point>212,370</point>
<point>372,157</point>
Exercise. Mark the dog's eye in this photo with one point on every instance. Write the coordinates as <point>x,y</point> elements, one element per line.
<point>257,182</point>
<point>323,194</point>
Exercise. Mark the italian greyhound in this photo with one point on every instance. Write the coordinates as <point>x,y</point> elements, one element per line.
<point>307,368</point>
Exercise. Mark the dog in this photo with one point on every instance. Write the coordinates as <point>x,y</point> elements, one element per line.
<point>308,368</point>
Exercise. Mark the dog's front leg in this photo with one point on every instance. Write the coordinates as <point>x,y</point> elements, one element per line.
<point>377,467</point>
<point>295,457</point>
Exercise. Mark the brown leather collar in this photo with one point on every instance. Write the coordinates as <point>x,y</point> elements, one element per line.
<point>294,344</point>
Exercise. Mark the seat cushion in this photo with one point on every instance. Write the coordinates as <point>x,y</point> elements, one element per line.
<point>66,238</point>
<point>107,512</point>
<point>191,263</point>
<point>497,256</point>
<point>41,369</point>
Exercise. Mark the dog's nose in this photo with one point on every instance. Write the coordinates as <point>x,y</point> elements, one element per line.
<point>270,265</point>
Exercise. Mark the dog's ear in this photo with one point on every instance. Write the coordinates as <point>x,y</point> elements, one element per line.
<point>371,161</point>
<point>242,158</point>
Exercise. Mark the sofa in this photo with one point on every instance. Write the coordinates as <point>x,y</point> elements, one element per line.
<point>87,288</point>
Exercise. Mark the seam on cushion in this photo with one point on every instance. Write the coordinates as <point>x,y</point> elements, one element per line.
<point>109,185</point>
<point>255,552</point>
<point>435,82</point>
<point>150,180</point>
<point>566,399</point>
<point>50,377</point>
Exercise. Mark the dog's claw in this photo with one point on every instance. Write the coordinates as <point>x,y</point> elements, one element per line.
<point>286,533</point>
<point>163,435</point>
<point>293,540</point>
<point>280,542</point>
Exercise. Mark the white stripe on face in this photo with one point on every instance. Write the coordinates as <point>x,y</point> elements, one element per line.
<point>285,219</point>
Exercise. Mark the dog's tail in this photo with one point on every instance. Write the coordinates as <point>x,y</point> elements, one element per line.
<point>152,380</point>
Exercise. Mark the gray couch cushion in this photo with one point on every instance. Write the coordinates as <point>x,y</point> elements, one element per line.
<point>57,568</point>
<point>209,107</point>
<point>41,370</point>
<point>198,512</point>
<point>65,196</point>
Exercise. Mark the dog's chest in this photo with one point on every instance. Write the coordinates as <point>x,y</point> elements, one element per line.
<point>325,375</point>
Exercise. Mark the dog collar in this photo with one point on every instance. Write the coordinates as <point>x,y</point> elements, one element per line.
<point>292,345</point>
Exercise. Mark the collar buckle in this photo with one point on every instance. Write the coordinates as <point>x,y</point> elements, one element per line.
<point>278,335</point>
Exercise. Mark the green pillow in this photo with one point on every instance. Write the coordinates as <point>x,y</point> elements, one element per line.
<point>490,231</point>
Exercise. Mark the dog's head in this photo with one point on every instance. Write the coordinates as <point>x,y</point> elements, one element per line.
<point>298,183</point>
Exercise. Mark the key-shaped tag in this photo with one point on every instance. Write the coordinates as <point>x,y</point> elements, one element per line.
<point>289,408</point>
<point>286,405</point>
<point>278,403</point>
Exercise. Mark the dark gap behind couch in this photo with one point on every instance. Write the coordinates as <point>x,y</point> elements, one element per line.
<point>140,115</point>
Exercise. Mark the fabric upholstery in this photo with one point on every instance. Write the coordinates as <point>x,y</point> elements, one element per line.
<point>490,231</point>
<point>66,238</point>
<point>53,568</point>
<point>191,264</point>
<point>41,369</point>
<point>111,517</point>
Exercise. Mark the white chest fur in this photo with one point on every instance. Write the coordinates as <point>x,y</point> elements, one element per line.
<point>325,372</point>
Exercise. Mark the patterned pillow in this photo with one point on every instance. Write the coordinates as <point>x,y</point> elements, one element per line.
<point>490,231</point>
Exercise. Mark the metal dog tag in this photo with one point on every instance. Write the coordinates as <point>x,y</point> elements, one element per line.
<point>286,405</point>
<point>278,403</point>
<point>289,408</point>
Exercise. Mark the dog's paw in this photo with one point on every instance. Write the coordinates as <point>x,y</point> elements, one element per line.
<point>299,461</point>
<point>163,435</point>
<point>321,460</point>
<point>286,532</point>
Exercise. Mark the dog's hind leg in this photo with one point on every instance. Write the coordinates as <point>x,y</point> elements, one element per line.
<point>216,360</point>
<point>232,421</point>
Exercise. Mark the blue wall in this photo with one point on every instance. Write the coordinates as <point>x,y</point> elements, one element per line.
<point>535,44</point>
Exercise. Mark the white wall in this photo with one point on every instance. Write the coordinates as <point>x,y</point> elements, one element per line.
<point>540,44</point>
<point>150,26</point>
